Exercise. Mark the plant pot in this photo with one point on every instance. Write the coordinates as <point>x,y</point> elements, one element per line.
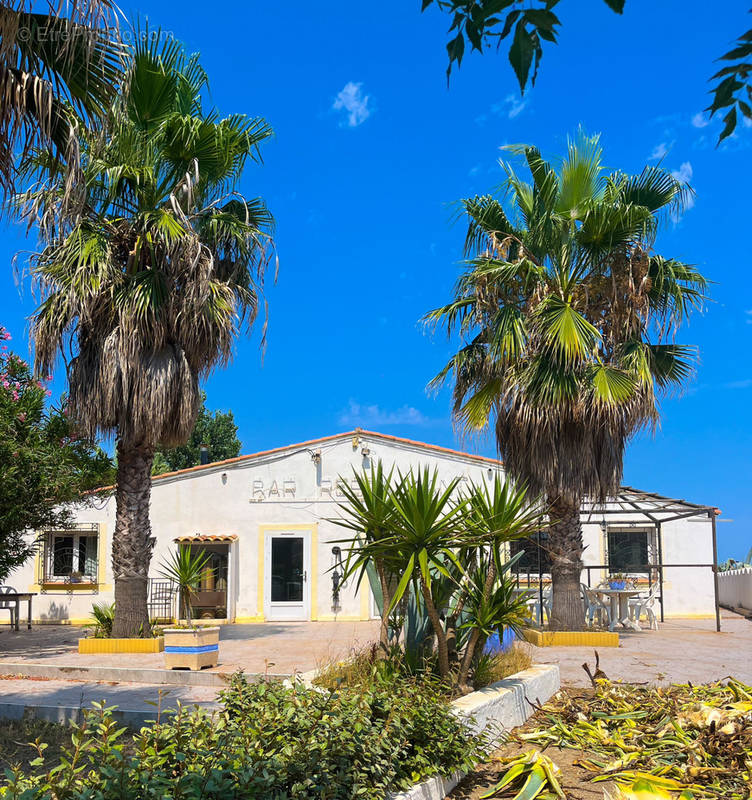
<point>618,584</point>
<point>191,648</point>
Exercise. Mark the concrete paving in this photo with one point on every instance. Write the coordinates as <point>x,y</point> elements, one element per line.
<point>279,648</point>
<point>681,650</point>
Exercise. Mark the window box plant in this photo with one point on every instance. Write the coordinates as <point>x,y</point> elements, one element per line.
<point>188,646</point>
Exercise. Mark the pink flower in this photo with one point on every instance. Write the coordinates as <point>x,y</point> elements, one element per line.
<point>48,393</point>
<point>15,395</point>
<point>22,417</point>
<point>6,384</point>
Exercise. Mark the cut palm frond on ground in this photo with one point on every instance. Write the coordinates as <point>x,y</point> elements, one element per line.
<point>679,742</point>
<point>531,776</point>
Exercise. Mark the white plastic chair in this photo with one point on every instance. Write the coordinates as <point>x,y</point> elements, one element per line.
<point>539,615</point>
<point>595,606</point>
<point>9,604</point>
<point>644,605</point>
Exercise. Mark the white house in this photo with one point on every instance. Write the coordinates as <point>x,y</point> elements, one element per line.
<point>265,520</point>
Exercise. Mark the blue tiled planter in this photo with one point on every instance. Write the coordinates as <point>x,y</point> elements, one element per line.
<point>496,644</point>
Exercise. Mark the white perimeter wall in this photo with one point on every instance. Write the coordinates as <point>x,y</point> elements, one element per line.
<point>735,588</point>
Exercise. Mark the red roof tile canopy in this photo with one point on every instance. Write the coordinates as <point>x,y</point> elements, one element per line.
<point>207,538</point>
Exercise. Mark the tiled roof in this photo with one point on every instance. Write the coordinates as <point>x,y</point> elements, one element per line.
<point>348,434</point>
<point>207,538</point>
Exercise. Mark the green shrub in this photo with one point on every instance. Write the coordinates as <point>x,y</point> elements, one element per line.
<point>269,741</point>
<point>102,618</point>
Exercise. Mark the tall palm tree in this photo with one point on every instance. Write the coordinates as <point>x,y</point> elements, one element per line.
<point>53,57</point>
<point>568,319</point>
<point>152,283</point>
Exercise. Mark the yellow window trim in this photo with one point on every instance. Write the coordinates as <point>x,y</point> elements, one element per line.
<point>76,587</point>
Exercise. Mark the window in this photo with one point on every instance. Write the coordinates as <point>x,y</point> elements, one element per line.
<point>533,549</point>
<point>71,556</point>
<point>628,551</point>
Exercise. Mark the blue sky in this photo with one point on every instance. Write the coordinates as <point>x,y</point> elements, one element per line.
<point>370,151</point>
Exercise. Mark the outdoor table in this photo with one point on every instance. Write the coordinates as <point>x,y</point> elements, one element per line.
<point>619,599</point>
<point>18,597</point>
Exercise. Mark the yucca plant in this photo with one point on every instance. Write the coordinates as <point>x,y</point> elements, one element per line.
<point>568,318</point>
<point>441,551</point>
<point>185,568</point>
<point>151,285</point>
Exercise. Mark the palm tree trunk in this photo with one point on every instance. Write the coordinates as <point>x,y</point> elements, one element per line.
<point>441,641</point>
<point>475,636</point>
<point>565,544</point>
<point>386,601</point>
<point>131,545</point>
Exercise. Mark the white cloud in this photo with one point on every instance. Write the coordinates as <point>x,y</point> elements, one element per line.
<point>684,174</point>
<point>510,107</point>
<point>374,416</point>
<point>659,151</point>
<point>352,100</point>
<point>699,120</point>
<point>743,384</point>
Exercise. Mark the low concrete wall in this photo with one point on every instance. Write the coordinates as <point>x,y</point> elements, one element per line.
<point>735,588</point>
<point>502,706</point>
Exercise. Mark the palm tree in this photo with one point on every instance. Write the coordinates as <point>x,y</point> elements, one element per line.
<point>153,282</point>
<point>48,65</point>
<point>568,319</point>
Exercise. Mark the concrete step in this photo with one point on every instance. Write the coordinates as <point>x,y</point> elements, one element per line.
<point>165,677</point>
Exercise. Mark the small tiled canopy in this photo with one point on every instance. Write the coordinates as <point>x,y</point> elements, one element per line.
<point>207,538</point>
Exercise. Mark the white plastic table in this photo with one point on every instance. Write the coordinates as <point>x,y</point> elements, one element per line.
<point>619,599</point>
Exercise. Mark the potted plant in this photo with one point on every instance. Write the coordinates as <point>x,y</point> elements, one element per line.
<point>618,581</point>
<point>188,646</point>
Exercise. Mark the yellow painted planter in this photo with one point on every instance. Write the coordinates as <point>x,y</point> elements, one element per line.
<point>191,648</point>
<point>153,645</point>
<point>571,638</point>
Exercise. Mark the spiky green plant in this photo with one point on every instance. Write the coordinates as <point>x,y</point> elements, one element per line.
<point>185,568</point>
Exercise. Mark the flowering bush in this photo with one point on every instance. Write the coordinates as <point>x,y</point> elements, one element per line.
<point>44,466</point>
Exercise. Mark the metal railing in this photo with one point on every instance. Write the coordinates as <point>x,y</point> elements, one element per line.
<point>162,602</point>
<point>67,566</point>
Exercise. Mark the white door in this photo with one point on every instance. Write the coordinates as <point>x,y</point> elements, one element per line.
<point>287,573</point>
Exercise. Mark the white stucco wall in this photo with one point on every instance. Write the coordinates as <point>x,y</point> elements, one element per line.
<point>288,489</point>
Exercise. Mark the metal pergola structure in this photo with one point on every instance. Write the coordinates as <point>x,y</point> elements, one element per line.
<point>630,503</point>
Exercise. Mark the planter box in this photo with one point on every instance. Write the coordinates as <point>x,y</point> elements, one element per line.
<point>571,638</point>
<point>191,648</point>
<point>153,645</point>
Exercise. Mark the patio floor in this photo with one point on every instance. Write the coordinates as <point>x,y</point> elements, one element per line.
<point>681,650</point>
<point>270,647</point>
